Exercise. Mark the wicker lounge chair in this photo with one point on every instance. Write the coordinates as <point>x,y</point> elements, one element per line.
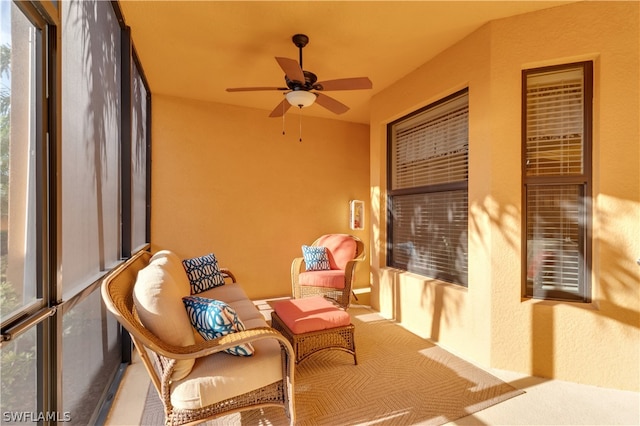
<point>161,358</point>
<point>335,282</point>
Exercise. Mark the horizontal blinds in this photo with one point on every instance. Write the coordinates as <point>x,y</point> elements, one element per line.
<point>429,223</point>
<point>554,123</point>
<point>430,234</point>
<point>432,147</point>
<point>554,242</point>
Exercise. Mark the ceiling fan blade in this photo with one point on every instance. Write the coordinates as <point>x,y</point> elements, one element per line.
<point>331,104</point>
<point>253,89</point>
<point>291,68</point>
<point>279,110</point>
<point>354,83</point>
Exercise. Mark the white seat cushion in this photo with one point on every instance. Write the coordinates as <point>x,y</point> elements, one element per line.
<point>227,293</point>
<point>222,376</point>
<point>246,310</point>
<point>234,296</point>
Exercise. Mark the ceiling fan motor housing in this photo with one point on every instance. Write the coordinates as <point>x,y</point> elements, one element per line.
<point>301,40</point>
<point>309,82</point>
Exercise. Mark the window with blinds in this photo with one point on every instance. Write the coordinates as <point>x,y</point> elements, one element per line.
<point>428,154</point>
<point>556,178</point>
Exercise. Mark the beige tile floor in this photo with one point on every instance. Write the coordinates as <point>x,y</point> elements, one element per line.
<point>545,402</point>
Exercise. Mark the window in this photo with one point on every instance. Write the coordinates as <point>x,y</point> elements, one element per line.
<point>556,158</point>
<point>91,221</point>
<point>19,101</point>
<point>64,68</point>
<point>90,142</point>
<point>428,153</point>
<point>22,125</point>
<point>105,183</point>
<point>139,160</point>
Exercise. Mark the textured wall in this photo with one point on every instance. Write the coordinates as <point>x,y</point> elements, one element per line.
<point>225,180</point>
<point>489,323</point>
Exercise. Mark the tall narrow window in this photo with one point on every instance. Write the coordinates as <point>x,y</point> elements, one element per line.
<point>428,178</point>
<point>18,144</point>
<point>557,180</point>
<point>90,142</point>
<point>21,128</point>
<point>139,140</point>
<point>91,218</point>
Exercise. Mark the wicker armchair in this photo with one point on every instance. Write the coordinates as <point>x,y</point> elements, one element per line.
<point>160,358</point>
<point>344,252</point>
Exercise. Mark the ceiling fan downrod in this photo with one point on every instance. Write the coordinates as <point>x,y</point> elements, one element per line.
<point>300,40</point>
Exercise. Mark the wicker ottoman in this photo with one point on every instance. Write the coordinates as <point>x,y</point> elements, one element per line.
<point>314,324</point>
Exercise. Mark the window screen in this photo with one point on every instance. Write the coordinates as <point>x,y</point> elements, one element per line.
<point>139,160</point>
<point>90,142</point>
<point>89,351</point>
<point>21,101</point>
<point>428,207</point>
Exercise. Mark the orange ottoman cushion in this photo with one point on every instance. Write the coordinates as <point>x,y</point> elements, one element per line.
<point>311,314</point>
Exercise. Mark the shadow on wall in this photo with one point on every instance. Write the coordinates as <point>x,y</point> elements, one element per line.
<point>101,76</point>
<point>615,282</point>
<point>98,86</point>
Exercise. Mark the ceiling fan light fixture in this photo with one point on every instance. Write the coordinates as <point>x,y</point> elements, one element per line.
<point>300,98</point>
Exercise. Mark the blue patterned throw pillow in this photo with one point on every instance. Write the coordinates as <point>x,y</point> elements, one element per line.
<point>213,319</point>
<point>203,273</point>
<point>315,258</point>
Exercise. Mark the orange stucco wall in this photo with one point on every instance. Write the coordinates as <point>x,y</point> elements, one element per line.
<point>490,323</point>
<point>225,180</point>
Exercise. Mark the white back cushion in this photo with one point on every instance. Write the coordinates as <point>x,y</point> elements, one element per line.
<point>158,300</point>
<point>172,264</point>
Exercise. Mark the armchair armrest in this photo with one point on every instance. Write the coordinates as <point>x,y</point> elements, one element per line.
<point>209,347</point>
<point>297,266</point>
<point>226,273</point>
<point>349,269</point>
<point>350,273</point>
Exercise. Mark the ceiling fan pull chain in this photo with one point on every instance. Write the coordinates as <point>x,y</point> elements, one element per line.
<point>300,109</point>
<point>283,113</point>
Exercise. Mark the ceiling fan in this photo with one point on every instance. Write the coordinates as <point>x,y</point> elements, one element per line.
<point>303,89</point>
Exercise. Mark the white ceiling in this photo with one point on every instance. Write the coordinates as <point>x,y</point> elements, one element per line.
<point>196,49</point>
